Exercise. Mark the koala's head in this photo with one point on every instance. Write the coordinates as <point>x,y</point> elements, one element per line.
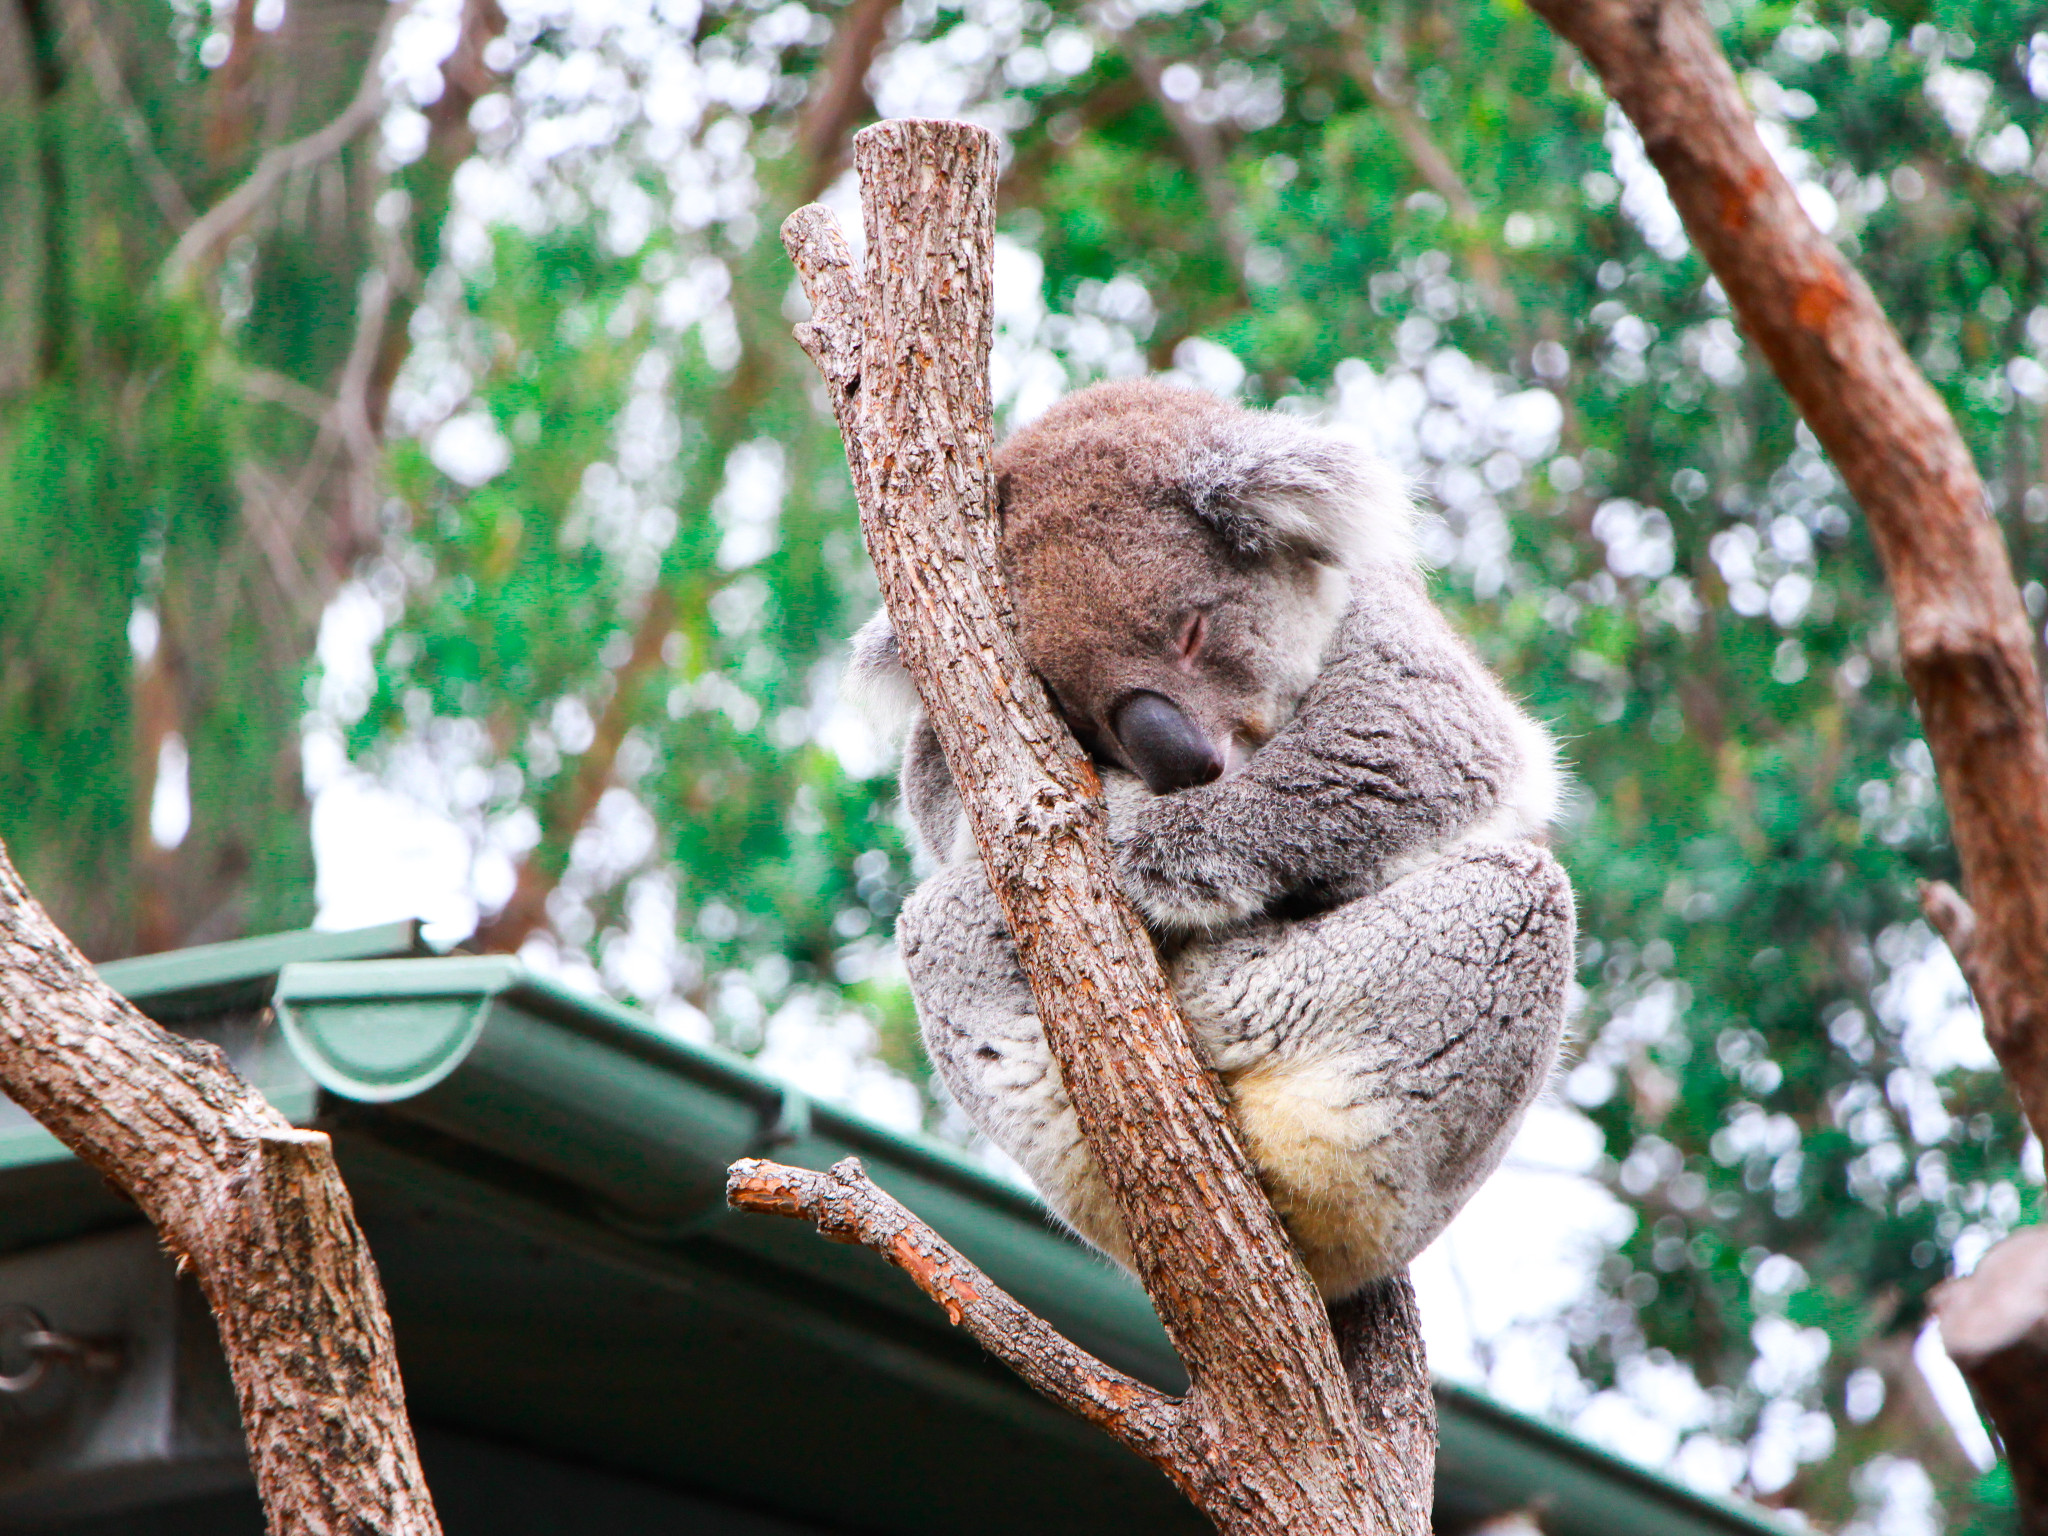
<point>1178,567</point>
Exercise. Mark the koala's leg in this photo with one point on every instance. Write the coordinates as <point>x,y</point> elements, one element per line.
<point>1381,1055</point>
<point>981,1031</point>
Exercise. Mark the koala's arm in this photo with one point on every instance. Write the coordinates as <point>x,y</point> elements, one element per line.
<point>1403,743</point>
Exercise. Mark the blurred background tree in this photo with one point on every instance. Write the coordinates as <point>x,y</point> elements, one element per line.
<point>450,502</point>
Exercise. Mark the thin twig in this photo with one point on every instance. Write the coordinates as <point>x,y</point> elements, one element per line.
<point>279,389</point>
<point>219,224</point>
<point>1435,168</point>
<point>848,1207</point>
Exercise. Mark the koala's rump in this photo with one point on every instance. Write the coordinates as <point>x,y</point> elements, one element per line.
<point>1379,1055</point>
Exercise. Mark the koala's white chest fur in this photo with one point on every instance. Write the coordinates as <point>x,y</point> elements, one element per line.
<point>1326,1164</point>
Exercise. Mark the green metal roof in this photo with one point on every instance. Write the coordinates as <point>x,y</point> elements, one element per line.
<point>211,978</point>
<point>541,1172</point>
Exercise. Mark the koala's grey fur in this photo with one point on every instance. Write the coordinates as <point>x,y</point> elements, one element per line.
<point>1358,919</point>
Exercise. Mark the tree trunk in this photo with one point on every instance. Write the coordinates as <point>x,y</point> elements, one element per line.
<point>1269,1437</point>
<point>1964,640</point>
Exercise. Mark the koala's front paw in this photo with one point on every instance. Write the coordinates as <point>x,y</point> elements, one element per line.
<point>1179,894</point>
<point>1179,886</point>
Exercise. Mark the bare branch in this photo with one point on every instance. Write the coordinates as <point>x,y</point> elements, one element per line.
<point>848,1207</point>
<point>1965,643</point>
<point>274,513</point>
<point>199,244</point>
<point>82,33</point>
<point>255,1205</point>
<point>278,389</point>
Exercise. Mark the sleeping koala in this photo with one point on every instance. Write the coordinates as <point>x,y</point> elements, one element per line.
<point>1327,810</point>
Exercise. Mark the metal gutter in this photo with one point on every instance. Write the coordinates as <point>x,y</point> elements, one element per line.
<point>594,1094</point>
<point>212,992</point>
<point>213,978</point>
<point>1509,1460</point>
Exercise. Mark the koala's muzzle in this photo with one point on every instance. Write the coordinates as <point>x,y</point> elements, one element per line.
<point>1164,747</point>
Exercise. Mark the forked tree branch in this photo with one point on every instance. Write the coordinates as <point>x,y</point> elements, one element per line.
<point>255,1205</point>
<point>1269,1438</point>
<point>1965,643</point>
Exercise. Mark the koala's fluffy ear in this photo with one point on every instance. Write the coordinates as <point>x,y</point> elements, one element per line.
<point>1272,482</point>
<point>876,682</point>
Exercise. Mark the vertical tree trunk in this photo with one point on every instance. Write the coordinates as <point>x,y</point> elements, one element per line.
<point>1269,1437</point>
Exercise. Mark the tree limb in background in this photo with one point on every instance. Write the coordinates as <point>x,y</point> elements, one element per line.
<point>828,118</point>
<point>1435,168</point>
<point>1994,1323</point>
<point>208,234</point>
<point>253,1204</point>
<point>1268,1438</point>
<point>1201,147</point>
<point>1965,644</point>
<point>83,35</point>
<point>840,99</point>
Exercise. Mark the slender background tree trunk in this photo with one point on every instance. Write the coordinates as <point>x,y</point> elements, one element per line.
<point>1965,643</point>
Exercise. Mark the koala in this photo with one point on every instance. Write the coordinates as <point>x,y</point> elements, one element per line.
<point>1330,815</point>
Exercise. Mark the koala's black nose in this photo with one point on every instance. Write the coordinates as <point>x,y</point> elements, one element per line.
<point>1165,747</point>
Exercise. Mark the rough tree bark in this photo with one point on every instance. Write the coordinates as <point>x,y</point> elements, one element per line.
<point>254,1205</point>
<point>1964,640</point>
<point>1269,1437</point>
